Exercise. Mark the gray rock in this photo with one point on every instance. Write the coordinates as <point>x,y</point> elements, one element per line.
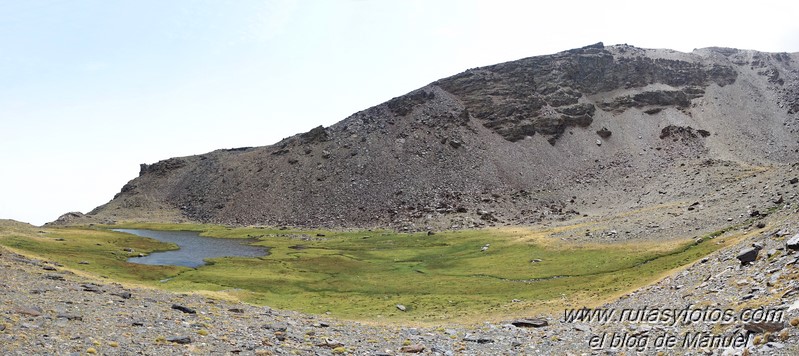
<point>582,327</point>
<point>33,311</point>
<point>773,345</point>
<point>438,350</point>
<point>280,335</point>
<point>748,255</point>
<point>764,327</point>
<point>123,295</point>
<point>414,349</point>
<point>401,307</point>
<point>793,242</point>
<point>331,343</point>
<point>90,287</point>
<point>180,340</point>
<point>530,323</point>
<point>70,317</point>
<point>278,327</point>
<point>28,326</point>
<point>771,252</point>
<point>184,309</point>
<point>604,132</point>
<point>478,339</point>
<point>772,281</point>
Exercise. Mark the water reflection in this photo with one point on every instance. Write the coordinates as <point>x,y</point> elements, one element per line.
<point>194,248</point>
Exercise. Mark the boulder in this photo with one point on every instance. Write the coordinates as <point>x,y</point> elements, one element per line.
<point>748,255</point>
<point>90,287</point>
<point>412,349</point>
<point>184,309</point>
<point>183,340</point>
<point>793,242</point>
<point>530,323</point>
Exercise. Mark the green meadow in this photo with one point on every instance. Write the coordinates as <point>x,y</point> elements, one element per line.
<point>363,275</point>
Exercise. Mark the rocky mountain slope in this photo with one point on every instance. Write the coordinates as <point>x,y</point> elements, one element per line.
<point>585,132</point>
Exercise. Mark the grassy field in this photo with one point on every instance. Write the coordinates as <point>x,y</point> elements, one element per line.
<point>363,275</point>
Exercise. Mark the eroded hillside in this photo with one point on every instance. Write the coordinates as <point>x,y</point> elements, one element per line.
<point>581,133</point>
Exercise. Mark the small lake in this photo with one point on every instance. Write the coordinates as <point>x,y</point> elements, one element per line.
<point>194,249</point>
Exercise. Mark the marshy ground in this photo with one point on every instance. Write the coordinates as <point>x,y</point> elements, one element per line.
<point>464,276</point>
<point>71,289</point>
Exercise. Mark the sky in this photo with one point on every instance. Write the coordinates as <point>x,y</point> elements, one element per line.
<point>90,89</point>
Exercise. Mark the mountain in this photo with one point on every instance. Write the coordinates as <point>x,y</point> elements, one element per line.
<point>581,133</point>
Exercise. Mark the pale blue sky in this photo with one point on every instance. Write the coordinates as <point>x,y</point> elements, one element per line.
<point>90,89</point>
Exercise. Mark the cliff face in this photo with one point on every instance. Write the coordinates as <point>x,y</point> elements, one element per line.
<point>539,138</point>
<point>549,94</point>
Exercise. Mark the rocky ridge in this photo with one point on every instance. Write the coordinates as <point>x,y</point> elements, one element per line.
<point>599,123</point>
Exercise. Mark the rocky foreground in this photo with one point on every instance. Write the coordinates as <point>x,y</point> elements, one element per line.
<point>737,301</point>
<point>46,310</point>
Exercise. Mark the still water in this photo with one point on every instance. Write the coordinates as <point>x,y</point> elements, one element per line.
<point>194,248</point>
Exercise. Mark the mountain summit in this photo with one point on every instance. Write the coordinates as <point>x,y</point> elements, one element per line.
<point>580,132</point>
